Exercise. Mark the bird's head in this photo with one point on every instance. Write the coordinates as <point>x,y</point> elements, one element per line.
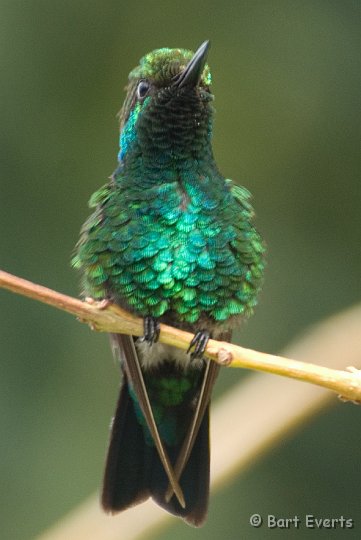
<point>167,111</point>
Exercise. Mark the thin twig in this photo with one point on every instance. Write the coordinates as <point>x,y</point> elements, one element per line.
<point>114,319</point>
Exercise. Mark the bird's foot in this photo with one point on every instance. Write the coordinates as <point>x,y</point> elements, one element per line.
<point>198,344</point>
<point>151,330</point>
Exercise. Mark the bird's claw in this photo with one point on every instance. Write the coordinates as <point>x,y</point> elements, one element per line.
<point>151,330</point>
<point>199,344</point>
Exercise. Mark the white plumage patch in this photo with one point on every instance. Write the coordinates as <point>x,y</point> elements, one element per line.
<point>150,356</point>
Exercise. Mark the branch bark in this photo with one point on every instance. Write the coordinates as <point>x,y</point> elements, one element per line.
<point>111,318</point>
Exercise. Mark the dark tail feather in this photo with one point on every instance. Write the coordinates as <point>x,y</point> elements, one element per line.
<point>125,478</point>
<point>194,480</point>
<point>134,472</point>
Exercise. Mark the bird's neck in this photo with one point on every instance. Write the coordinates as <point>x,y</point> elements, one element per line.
<point>167,142</point>
<point>142,171</point>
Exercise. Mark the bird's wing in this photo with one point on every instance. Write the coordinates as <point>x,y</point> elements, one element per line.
<point>128,353</point>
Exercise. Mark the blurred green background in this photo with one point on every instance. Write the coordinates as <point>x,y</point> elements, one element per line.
<point>287,83</point>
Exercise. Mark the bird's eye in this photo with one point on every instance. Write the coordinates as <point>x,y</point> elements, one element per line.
<point>142,89</point>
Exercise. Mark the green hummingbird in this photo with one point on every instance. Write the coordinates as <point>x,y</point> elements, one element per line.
<point>171,240</point>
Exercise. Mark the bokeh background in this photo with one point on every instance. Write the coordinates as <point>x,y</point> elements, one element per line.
<point>287,82</point>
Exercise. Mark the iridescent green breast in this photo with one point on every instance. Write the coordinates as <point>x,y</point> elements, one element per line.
<point>186,247</point>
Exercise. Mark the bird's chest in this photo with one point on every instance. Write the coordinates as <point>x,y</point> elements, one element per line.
<point>179,262</point>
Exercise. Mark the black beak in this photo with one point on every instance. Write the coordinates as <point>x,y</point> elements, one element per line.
<point>192,73</point>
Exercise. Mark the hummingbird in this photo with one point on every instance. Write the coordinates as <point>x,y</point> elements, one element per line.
<point>173,241</point>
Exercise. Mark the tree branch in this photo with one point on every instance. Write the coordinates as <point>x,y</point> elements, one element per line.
<point>112,318</point>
